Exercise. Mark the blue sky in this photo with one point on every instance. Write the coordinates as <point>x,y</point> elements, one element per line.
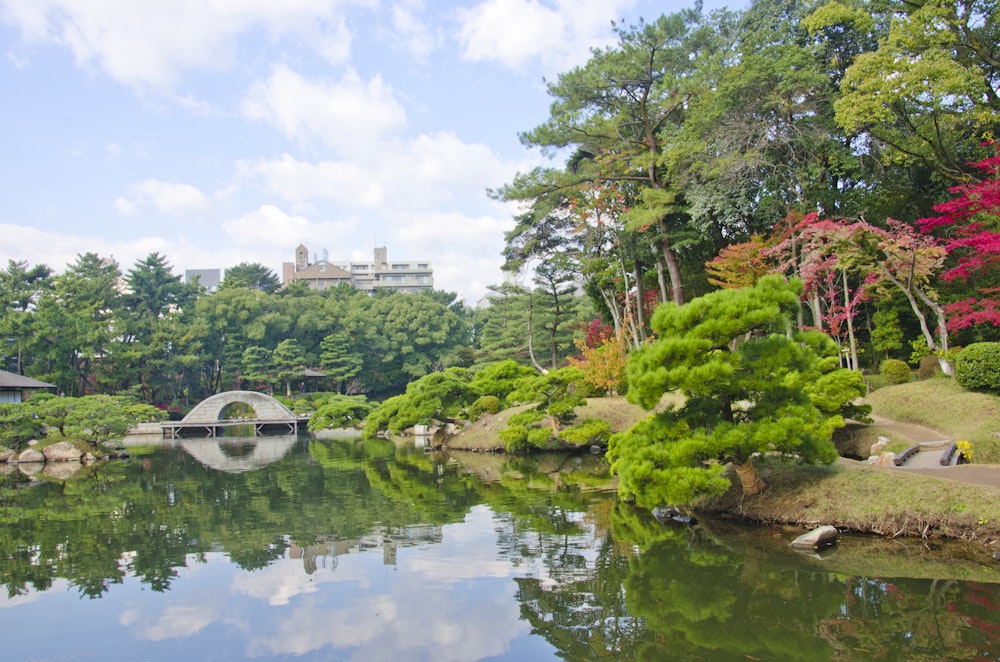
<point>222,131</point>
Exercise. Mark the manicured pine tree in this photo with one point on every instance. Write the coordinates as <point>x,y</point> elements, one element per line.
<point>751,385</point>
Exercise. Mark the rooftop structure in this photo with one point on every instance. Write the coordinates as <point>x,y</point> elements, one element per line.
<point>12,386</point>
<point>207,278</point>
<point>408,276</point>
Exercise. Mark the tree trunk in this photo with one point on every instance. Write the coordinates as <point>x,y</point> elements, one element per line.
<point>531,345</point>
<point>670,260</point>
<point>941,343</point>
<point>850,324</point>
<point>750,478</point>
<point>640,300</point>
<point>664,291</point>
<point>942,331</point>
<point>613,309</point>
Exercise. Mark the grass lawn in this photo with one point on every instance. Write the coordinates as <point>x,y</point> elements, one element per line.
<point>859,497</point>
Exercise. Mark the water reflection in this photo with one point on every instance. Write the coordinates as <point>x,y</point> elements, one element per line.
<point>238,455</point>
<point>338,549</point>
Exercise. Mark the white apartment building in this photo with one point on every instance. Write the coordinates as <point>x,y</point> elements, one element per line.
<point>402,276</point>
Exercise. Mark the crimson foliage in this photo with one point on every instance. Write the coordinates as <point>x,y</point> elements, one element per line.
<point>967,222</point>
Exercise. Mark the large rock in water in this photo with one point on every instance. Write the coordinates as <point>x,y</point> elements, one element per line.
<point>30,455</point>
<point>62,452</point>
<point>824,536</point>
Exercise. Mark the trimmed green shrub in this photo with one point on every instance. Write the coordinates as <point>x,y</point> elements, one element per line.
<point>518,438</point>
<point>539,437</point>
<point>590,431</point>
<point>526,417</point>
<point>343,412</point>
<point>514,437</point>
<point>895,371</point>
<point>929,367</point>
<point>487,404</point>
<point>977,367</point>
<point>564,408</point>
<point>18,425</point>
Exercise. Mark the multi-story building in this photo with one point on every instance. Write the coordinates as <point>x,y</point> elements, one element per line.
<point>408,276</point>
<point>207,278</point>
<point>320,274</point>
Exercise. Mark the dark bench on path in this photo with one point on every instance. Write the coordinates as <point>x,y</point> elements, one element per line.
<point>948,453</point>
<point>906,455</point>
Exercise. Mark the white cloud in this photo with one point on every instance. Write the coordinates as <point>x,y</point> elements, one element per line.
<point>281,583</point>
<point>125,207</point>
<point>271,226</point>
<point>424,197</point>
<point>425,172</point>
<point>347,116</point>
<point>302,183</point>
<point>179,621</point>
<point>58,249</point>
<point>168,198</point>
<point>515,33</point>
<point>146,45</point>
<point>410,31</point>
<point>335,43</point>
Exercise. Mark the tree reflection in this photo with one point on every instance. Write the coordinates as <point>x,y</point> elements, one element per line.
<point>152,516</point>
<point>595,578</point>
<point>656,592</point>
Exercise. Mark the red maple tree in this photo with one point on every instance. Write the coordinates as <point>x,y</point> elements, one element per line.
<point>967,225</point>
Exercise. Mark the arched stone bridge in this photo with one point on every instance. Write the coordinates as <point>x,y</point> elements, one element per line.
<point>206,417</point>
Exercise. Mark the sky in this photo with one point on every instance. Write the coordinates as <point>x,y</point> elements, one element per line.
<point>215,132</point>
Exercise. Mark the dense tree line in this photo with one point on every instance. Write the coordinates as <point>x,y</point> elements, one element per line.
<point>95,329</point>
<point>706,133</point>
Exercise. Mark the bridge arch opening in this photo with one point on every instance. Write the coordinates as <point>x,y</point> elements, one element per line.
<point>237,409</point>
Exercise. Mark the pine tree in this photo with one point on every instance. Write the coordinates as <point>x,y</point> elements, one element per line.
<point>750,385</point>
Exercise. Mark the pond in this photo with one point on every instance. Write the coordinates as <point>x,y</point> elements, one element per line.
<point>333,549</point>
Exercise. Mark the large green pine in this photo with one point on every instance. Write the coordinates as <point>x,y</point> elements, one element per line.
<point>750,385</point>
<point>339,360</point>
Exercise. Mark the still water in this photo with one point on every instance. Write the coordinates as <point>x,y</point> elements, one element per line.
<point>299,548</point>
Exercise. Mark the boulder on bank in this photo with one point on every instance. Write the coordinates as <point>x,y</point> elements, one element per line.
<point>30,455</point>
<point>819,538</point>
<point>62,452</point>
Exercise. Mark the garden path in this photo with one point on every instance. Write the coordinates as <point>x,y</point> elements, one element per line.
<point>927,462</point>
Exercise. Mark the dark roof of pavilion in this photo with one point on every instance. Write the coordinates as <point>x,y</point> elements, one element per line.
<point>8,380</point>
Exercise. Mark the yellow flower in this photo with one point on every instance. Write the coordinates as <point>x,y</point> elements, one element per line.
<point>964,448</point>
